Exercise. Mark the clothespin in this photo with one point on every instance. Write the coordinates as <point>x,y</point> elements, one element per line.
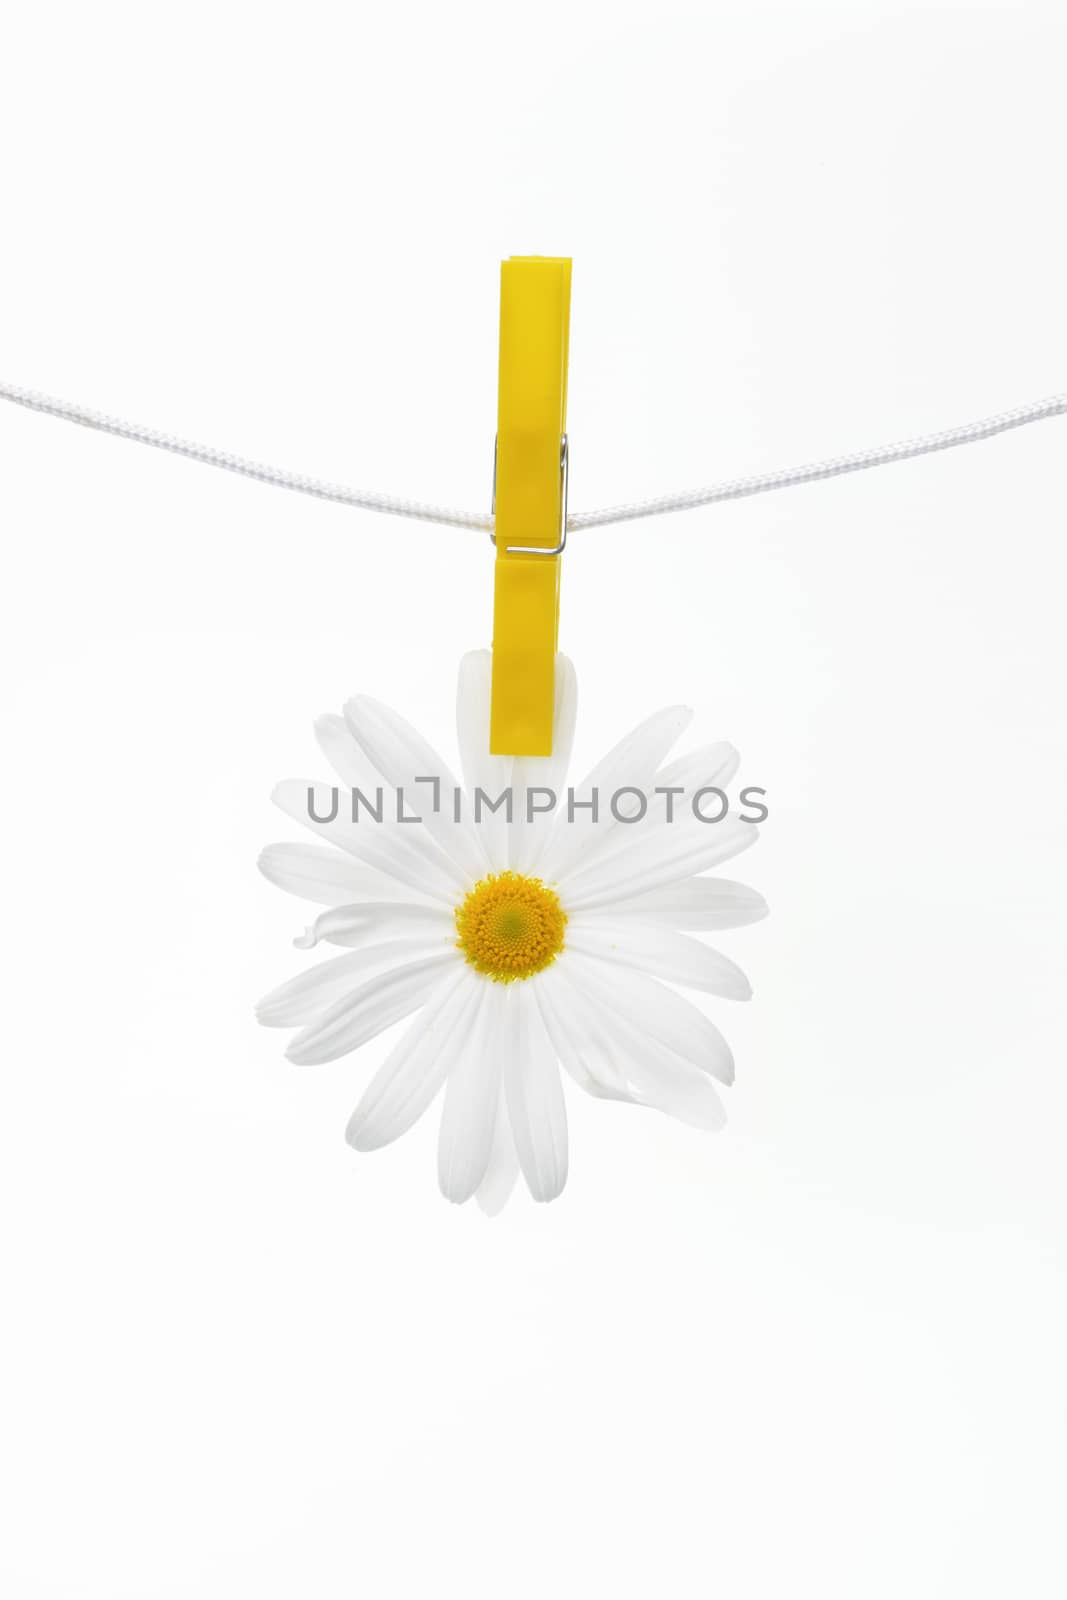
<point>529,500</point>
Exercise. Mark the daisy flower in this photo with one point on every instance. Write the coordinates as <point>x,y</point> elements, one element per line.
<point>519,936</point>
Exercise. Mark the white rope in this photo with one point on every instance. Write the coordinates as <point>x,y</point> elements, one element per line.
<point>835,467</point>
<point>364,500</point>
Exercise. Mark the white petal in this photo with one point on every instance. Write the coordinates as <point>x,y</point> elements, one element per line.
<point>713,766</point>
<point>491,774</point>
<point>335,740</point>
<point>468,1120</point>
<point>535,1098</point>
<point>403,852</point>
<point>529,839</point>
<point>494,1191</point>
<point>641,752</point>
<point>371,922</point>
<point>309,996</point>
<point>416,1067</point>
<point>663,1082</point>
<point>567,1016</point>
<point>654,1076</point>
<point>322,873</point>
<point>403,757</point>
<point>631,764</point>
<point>371,1008</point>
<point>699,905</point>
<point>674,850</point>
<point>654,1011</point>
<point>660,952</point>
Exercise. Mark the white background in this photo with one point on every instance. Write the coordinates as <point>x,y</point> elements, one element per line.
<point>819,1355</point>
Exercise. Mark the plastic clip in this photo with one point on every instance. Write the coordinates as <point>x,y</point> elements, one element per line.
<point>529,501</point>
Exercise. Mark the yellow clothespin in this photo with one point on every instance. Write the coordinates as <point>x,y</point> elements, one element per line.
<point>530,500</point>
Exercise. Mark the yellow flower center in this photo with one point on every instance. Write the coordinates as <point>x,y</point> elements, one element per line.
<point>510,926</point>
